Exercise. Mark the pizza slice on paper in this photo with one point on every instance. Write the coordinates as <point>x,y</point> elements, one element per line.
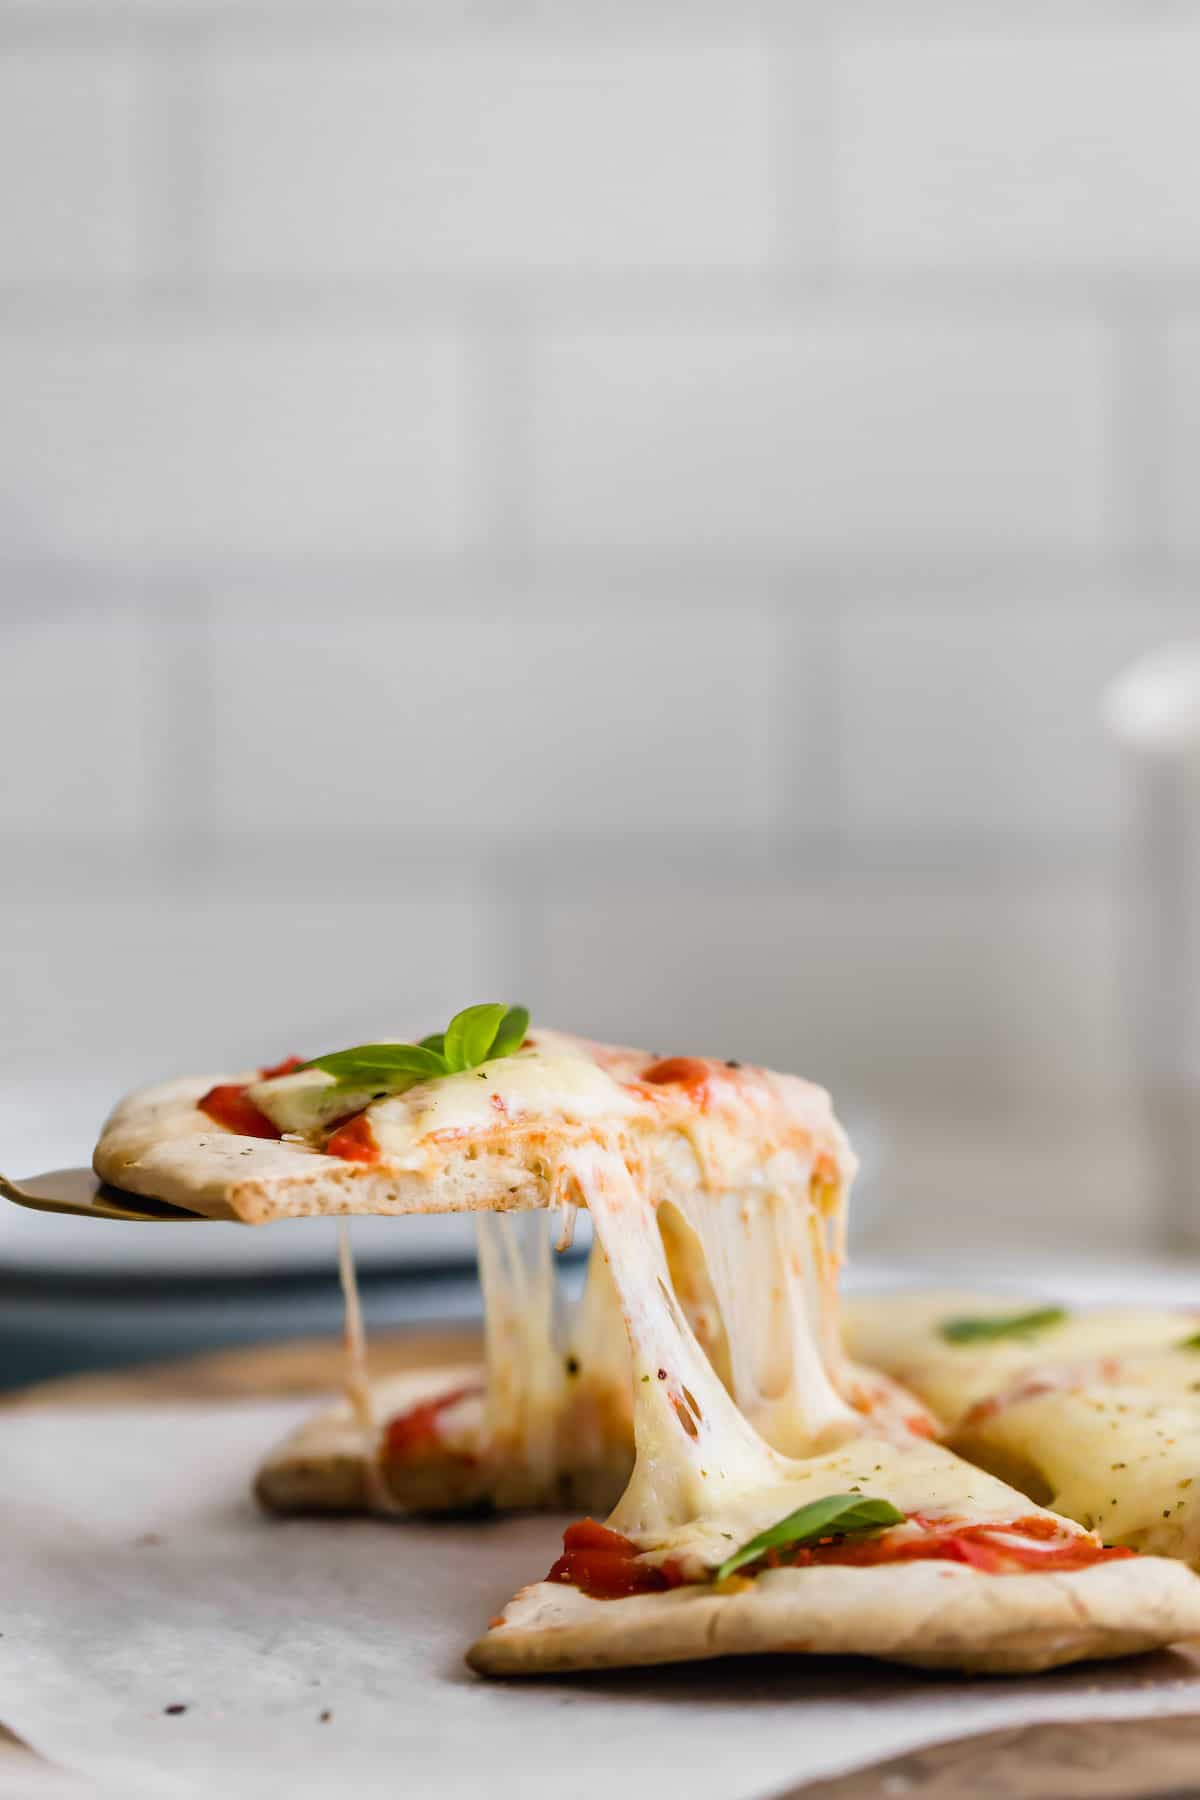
<point>774,1500</point>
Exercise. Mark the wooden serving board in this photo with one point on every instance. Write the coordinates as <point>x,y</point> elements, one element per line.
<point>1136,1759</point>
<point>1118,1759</point>
<point>258,1372</point>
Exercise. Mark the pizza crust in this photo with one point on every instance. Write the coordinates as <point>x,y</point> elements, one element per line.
<point>158,1143</point>
<point>927,1615</point>
<point>322,1465</point>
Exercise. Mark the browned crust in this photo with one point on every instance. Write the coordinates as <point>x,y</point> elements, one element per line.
<point>927,1615</point>
<point>158,1143</point>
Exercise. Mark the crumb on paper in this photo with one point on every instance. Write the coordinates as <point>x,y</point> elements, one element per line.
<point>149,1540</point>
<point>173,1711</point>
<point>326,1716</point>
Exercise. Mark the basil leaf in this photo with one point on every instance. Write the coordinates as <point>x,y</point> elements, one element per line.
<point>474,1035</point>
<point>1001,1325</point>
<point>471,1034</point>
<point>369,1064</point>
<point>1188,1343</point>
<point>835,1515</point>
<point>511,1034</point>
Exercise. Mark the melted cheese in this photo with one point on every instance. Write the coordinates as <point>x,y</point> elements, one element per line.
<point>1097,1413</point>
<point>704,1478</point>
<point>724,1356</point>
<point>1120,1458</point>
<point>524,1372</point>
<point>774,1278</point>
<point>557,1080</point>
<point>356,1378</point>
<point>692,1444</point>
<point>901,1334</point>
<point>357,1381</point>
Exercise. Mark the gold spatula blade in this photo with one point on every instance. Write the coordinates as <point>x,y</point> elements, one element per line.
<point>81,1192</point>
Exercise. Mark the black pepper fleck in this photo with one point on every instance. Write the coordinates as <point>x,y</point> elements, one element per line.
<point>325,1717</point>
<point>731,1062</point>
<point>174,1711</point>
<point>572,1365</point>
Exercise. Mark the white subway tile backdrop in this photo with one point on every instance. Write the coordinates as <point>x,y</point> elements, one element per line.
<point>828,429</point>
<point>327,161</point>
<point>631,507</point>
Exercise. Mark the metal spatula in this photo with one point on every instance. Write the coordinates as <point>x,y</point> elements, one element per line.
<point>81,1192</point>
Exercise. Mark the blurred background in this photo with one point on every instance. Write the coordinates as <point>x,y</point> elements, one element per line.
<point>628,508</point>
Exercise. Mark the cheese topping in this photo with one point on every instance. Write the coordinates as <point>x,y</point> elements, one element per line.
<point>704,1478</point>
<point>774,1274</point>
<point>1096,1416</point>
<point>693,1447</point>
<point>711,1329</point>
<point>525,1378</point>
<point>556,1079</point>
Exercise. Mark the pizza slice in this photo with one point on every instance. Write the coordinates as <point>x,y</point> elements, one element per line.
<point>484,1117</point>
<point>1095,1412</point>
<point>712,1550</point>
<point>541,1420</point>
<point>717,1197</point>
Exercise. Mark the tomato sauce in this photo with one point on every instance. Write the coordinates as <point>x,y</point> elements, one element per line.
<point>288,1066</point>
<point>677,1071</point>
<point>1027,1544</point>
<point>228,1105</point>
<point>354,1141</point>
<point>606,1566</point>
<point>416,1433</point>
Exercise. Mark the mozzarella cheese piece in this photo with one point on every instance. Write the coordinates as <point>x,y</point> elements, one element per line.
<point>902,1335</point>
<point>555,1081</point>
<point>1119,1457</point>
<point>1099,1414</point>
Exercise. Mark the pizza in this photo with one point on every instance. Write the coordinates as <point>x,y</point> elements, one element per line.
<point>765,1494</point>
<point>1096,1412</point>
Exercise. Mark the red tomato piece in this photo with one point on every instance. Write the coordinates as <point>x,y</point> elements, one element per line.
<point>589,1534</point>
<point>416,1432</point>
<point>677,1071</point>
<point>607,1566</point>
<point>228,1105</point>
<point>354,1141</point>
<point>993,1549</point>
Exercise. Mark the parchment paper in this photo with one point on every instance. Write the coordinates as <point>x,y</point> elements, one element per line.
<point>136,1575</point>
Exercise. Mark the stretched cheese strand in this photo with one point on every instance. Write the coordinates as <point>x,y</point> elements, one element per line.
<point>596,1426</point>
<point>524,1372</point>
<point>693,1447</point>
<point>356,1378</point>
<point>769,1264</point>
